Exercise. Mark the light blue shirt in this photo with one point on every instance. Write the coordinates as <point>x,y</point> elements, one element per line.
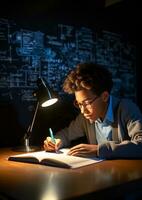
<point>104,129</point>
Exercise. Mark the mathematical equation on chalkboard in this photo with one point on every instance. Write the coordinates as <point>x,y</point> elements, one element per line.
<point>25,55</point>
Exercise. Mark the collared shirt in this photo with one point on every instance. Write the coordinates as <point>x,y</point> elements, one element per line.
<point>104,129</point>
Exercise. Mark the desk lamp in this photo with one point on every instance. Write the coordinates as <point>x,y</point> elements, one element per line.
<point>45,97</point>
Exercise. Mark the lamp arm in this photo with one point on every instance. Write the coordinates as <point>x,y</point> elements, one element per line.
<point>49,94</point>
<point>30,128</point>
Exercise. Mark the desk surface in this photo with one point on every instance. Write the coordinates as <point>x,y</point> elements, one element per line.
<point>23,181</point>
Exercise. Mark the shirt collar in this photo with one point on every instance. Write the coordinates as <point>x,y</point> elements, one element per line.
<point>109,118</point>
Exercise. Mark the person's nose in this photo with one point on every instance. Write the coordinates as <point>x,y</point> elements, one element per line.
<point>83,109</point>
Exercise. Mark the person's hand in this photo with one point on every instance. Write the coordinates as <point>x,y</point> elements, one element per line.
<point>84,150</point>
<point>49,145</point>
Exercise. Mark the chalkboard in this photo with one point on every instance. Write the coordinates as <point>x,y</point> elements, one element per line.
<point>26,54</point>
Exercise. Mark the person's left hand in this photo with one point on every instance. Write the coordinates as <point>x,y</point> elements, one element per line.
<point>84,150</point>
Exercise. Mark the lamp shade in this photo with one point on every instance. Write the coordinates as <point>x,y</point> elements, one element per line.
<point>45,94</point>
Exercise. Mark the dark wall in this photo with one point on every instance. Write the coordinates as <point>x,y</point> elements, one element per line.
<point>11,132</point>
<point>44,15</point>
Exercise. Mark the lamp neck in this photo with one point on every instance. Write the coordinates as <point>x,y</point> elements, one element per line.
<point>30,128</point>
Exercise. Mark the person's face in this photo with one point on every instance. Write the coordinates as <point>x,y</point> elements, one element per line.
<point>91,105</point>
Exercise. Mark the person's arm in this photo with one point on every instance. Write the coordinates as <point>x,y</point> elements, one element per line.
<point>73,131</point>
<point>64,137</point>
<point>129,117</point>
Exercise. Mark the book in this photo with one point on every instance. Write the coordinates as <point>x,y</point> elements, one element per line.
<point>60,159</point>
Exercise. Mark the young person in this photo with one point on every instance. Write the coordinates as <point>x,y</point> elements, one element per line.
<point>113,126</point>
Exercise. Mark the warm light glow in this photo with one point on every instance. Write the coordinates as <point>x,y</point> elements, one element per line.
<point>49,102</point>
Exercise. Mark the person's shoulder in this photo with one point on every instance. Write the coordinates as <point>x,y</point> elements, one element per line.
<point>122,100</point>
<point>128,105</point>
<point>127,102</point>
<point>124,103</point>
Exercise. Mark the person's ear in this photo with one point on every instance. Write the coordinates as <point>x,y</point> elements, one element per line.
<point>105,96</point>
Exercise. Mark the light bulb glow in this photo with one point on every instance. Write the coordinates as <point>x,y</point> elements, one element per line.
<point>49,102</point>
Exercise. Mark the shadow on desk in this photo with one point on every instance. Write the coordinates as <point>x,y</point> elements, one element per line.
<point>122,192</point>
<point>5,197</point>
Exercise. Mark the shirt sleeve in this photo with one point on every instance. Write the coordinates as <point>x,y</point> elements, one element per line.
<point>73,131</point>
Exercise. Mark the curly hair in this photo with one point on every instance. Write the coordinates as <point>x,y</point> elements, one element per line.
<point>88,76</point>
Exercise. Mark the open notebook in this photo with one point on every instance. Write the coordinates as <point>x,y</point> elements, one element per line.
<point>60,159</point>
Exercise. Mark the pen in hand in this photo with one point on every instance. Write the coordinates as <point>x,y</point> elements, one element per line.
<point>52,136</point>
<point>53,140</point>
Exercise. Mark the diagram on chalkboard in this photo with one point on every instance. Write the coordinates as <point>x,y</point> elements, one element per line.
<point>25,55</point>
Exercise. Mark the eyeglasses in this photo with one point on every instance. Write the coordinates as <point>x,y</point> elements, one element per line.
<point>86,103</point>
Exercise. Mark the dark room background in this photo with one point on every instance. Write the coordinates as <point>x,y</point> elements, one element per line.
<point>47,39</point>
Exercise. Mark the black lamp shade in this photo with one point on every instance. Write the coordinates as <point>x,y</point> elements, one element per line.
<point>45,94</point>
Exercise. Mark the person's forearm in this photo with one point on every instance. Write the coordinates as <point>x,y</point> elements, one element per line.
<point>126,149</point>
<point>63,136</point>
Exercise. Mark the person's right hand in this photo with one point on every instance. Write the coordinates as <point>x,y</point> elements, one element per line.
<point>49,145</point>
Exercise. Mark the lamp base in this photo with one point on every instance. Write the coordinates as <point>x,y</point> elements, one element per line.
<point>26,148</point>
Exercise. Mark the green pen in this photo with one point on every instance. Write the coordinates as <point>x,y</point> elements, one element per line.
<point>52,136</point>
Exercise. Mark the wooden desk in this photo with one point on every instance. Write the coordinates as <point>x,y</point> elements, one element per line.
<point>113,179</point>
